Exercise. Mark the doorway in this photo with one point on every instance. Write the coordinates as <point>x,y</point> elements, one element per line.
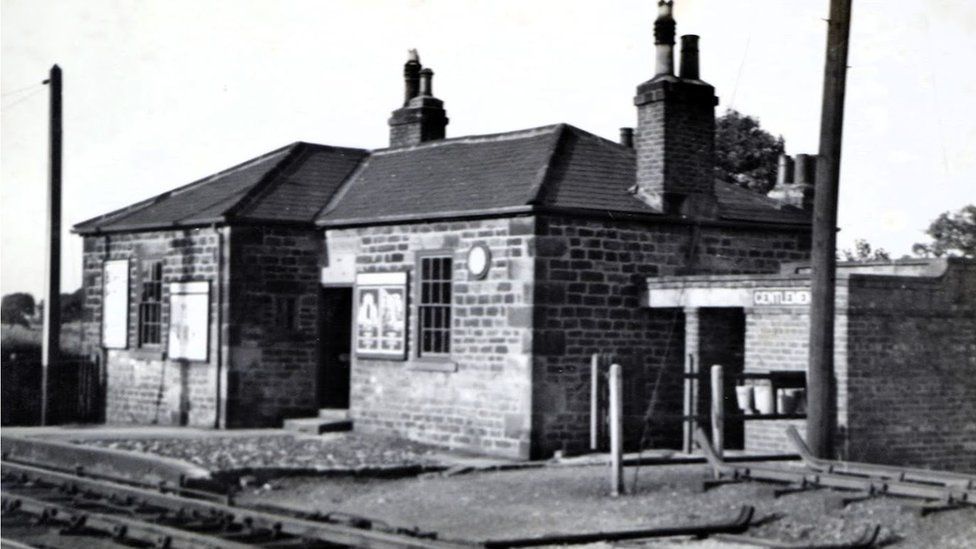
<point>335,345</point>
<point>723,339</point>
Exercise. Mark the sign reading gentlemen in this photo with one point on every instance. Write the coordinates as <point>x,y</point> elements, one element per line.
<point>780,297</point>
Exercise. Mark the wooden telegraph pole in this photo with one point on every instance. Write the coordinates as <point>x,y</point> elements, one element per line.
<point>51,344</point>
<point>821,407</point>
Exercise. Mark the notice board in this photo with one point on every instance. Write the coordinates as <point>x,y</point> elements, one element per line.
<point>189,320</point>
<point>115,304</point>
<point>381,315</point>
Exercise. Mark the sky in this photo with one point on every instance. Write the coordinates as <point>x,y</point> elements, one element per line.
<point>160,93</point>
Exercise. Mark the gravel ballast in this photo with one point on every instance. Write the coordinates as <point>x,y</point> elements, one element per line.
<point>345,452</point>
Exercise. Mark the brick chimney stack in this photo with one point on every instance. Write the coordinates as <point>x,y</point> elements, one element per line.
<point>675,138</point>
<point>422,117</point>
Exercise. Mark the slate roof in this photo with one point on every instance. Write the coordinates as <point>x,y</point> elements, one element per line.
<point>557,166</point>
<point>551,167</point>
<point>287,185</point>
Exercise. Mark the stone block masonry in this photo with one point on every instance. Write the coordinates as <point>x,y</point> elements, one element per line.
<point>273,325</point>
<point>589,275</point>
<point>478,398</point>
<point>144,386</point>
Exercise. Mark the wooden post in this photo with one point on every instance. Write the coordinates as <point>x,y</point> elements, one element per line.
<point>821,415</point>
<point>51,339</point>
<point>616,432</point>
<point>595,402</point>
<point>690,407</point>
<point>718,410</point>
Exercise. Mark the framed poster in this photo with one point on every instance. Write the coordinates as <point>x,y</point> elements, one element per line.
<point>381,315</point>
<point>115,304</point>
<point>189,320</point>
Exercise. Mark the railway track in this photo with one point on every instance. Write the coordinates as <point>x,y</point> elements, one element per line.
<point>171,517</point>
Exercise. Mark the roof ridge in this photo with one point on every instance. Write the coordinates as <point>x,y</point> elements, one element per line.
<point>474,139</point>
<point>267,180</point>
<point>536,192</point>
<point>123,212</point>
<point>343,188</point>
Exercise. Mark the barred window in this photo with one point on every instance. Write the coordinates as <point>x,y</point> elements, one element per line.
<point>151,304</point>
<point>435,305</point>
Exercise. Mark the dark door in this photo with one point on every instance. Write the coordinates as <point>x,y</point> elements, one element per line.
<point>334,351</point>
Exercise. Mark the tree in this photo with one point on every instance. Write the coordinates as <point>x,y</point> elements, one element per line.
<point>17,308</point>
<point>745,153</point>
<point>863,252</point>
<point>72,305</point>
<point>953,234</point>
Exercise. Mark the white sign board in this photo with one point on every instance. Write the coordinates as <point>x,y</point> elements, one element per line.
<point>780,298</point>
<point>115,304</point>
<point>189,320</point>
<point>381,315</point>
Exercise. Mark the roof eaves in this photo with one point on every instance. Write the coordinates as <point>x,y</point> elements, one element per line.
<point>81,228</point>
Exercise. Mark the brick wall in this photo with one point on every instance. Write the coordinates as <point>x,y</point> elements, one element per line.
<point>481,398</point>
<point>912,348</point>
<point>590,274</point>
<point>273,368</point>
<point>143,386</point>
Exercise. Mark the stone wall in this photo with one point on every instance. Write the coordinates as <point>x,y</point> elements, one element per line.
<point>143,385</point>
<point>590,275</point>
<point>480,398</point>
<point>273,360</point>
<point>912,348</point>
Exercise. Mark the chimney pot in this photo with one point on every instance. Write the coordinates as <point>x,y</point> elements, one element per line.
<point>805,169</point>
<point>411,76</point>
<point>784,171</point>
<point>664,39</point>
<point>627,137</point>
<point>689,57</point>
<point>427,83</point>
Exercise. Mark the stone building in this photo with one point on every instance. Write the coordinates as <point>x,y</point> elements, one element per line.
<point>451,290</point>
<point>904,354</point>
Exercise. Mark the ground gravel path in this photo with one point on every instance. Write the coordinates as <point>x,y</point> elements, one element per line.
<point>534,502</point>
<point>337,452</point>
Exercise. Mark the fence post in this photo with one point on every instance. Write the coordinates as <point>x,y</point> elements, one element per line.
<point>616,432</point>
<point>595,402</point>
<point>718,410</point>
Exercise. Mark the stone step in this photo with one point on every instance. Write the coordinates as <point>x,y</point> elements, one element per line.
<point>337,414</point>
<point>317,425</point>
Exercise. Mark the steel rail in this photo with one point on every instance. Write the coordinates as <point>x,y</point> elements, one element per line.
<point>118,526</point>
<point>738,524</point>
<point>292,526</point>
<point>955,480</point>
<point>866,539</point>
<point>872,486</point>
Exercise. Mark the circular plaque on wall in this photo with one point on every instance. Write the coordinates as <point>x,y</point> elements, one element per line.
<point>479,260</point>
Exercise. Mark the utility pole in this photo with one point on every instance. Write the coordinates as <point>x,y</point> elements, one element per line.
<point>821,406</point>
<point>51,344</point>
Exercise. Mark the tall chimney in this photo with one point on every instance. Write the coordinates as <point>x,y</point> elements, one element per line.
<point>627,137</point>
<point>689,57</point>
<point>422,117</point>
<point>675,137</point>
<point>664,39</point>
<point>411,76</point>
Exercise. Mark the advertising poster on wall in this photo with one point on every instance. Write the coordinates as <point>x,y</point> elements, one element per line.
<point>381,315</point>
<point>115,304</point>
<point>189,320</point>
